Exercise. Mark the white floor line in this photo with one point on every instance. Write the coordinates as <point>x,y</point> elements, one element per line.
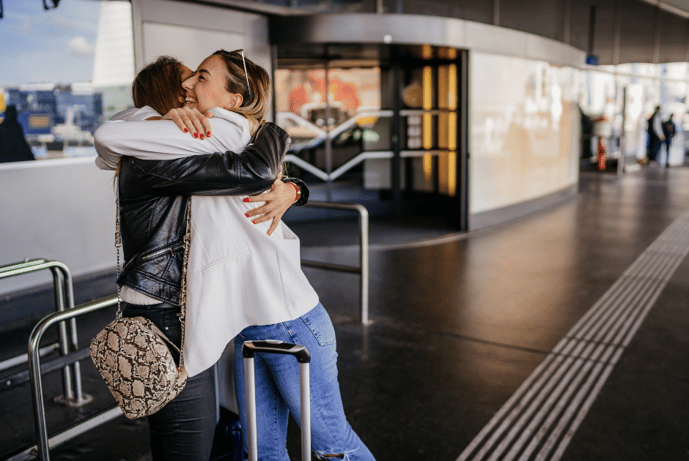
<point>540,419</point>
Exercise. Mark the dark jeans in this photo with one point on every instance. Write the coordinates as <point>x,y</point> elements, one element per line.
<point>183,430</point>
<point>654,148</point>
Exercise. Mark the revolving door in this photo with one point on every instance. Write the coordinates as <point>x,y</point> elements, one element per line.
<point>382,125</point>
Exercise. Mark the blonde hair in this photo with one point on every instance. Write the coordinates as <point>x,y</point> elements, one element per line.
<point>256,96</point>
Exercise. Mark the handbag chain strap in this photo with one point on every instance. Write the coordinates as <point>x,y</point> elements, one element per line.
<point>183,290</point>
<point>118,245</point>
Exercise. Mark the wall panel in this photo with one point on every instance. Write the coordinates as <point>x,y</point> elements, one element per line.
<point>673,39</point>
<point>540,17</point>
<point>56,209</point>
<point>460,9</point>
<point>637,32</point>
<point>604,31</point>
<point>524,132</point>
<point>191,32</point>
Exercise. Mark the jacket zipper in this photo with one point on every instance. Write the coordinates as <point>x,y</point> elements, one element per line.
<point>160,252</point>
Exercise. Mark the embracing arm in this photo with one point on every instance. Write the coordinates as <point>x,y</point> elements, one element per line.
<point>254,171</point>
<point>134,136</point>
<point>251,172</point>
<point>114,130</point>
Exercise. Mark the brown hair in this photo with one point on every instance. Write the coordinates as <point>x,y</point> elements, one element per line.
<point>257,96</point>
<point>158,85</point>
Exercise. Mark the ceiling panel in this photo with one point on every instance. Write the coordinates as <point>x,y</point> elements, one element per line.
<point>673,39</point>
<point>679,4</point>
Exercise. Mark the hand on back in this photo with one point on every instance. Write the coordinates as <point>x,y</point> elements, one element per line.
<point>277,201</point>
<point>191,121</point>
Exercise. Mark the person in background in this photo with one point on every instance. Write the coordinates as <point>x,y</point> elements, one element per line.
<point>586,135</point>
<point>655,135</point>
<point>13,145</point>
<point>669,131</point>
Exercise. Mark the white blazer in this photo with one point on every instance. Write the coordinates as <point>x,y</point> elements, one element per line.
<point>237,276</point>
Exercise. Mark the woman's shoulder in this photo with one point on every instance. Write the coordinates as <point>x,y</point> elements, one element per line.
<point>237,121</point>
<point>135,114</point>
<point>229,116</point>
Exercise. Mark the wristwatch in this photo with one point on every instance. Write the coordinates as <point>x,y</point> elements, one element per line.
<point>303,190</point>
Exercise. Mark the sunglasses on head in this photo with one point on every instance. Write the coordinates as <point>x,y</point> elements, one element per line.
<point>245,73</point>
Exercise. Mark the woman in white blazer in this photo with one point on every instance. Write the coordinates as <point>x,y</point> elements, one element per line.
<point>153,209</point>
<point>244,280</point>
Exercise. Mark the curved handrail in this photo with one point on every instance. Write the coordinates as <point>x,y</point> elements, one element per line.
<point>35,364</point>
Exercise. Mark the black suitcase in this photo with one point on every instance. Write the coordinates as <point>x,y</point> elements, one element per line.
<point>227,441</point>
<point>269,346</point>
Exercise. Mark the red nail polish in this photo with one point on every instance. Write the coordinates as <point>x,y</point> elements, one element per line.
<point>196,135</point>
<point>253,222</point>
<point>186,130</point>
<point>202,136</point>
<point>246,199</point>
<point>208,134</point>
<point>247,215</point>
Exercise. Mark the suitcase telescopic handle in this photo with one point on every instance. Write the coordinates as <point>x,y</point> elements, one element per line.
<point>273,346</point>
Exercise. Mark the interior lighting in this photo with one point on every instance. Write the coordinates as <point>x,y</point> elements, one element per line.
<point>443,96</point>
<point>452,105</point>
<point>427,104</point>
<point>452,87</point>
<point>443,174</point>
<point>427,170</point>
<point>427,85</point>
<point>452,131</point>
<point>447,129</point>
<point>452,173</point>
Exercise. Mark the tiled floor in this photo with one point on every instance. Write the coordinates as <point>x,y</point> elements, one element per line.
<point>459,325</point>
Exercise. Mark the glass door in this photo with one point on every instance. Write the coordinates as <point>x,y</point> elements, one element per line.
<point>381,126</point>
<point>429,128</point>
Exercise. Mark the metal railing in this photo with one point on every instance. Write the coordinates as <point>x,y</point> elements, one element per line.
<point>64,299</point>
<point>67,312</point>
<point>43,442</point>
<point>321,135</point>
<point>362,269</point>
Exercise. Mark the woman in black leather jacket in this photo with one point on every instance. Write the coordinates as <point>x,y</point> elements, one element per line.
<point>153,203</point>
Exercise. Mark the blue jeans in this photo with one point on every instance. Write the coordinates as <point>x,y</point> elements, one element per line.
<point>277,390</point>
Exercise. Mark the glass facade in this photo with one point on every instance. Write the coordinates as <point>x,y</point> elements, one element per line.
<point>333,115</point>
<point>645,86</point>
<point>58,61</point>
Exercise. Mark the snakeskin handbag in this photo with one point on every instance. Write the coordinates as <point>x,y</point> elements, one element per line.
<point>133,356</point>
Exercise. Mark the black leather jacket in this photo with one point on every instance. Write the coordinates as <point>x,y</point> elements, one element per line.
<point>153,201</point>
